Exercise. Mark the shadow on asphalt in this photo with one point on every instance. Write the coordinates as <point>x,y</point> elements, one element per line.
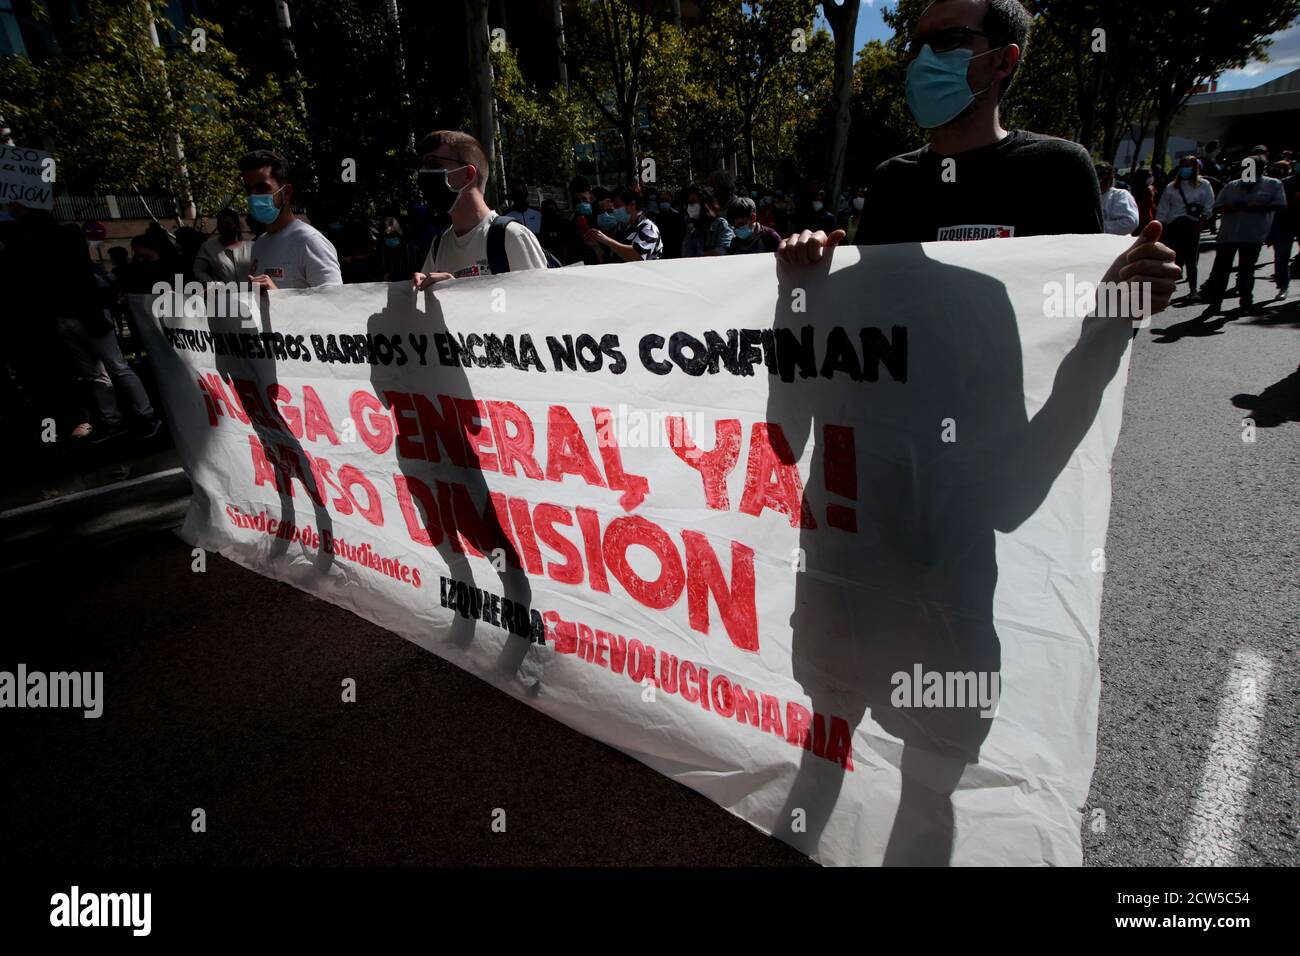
<point>222,691</point>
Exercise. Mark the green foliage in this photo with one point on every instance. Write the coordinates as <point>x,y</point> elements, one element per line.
<point>109,106</point>
<point>882,125</point>
<point>538,129</point>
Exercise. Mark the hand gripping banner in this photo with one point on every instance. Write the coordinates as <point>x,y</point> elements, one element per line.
<point>823,544</point>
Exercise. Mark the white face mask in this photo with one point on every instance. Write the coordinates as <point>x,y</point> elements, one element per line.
<point>859,202</point>
<point>693,210</point>
<point>817,206</point>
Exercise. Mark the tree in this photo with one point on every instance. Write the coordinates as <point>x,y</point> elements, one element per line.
<point>482,108</point>
<point>843,18</point>
<point>606,56</point>
<point>192,88</point>
<point>750,41</point>
<point>538,129</point>
<point>882,124</point>
<point>796,122</point>
<point>1200,43</point>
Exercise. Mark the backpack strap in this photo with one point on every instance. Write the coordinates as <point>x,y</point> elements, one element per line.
<point>437,241</point>
<point>498,261</point>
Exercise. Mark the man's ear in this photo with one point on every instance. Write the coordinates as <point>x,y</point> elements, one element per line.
<point>1011,56</point>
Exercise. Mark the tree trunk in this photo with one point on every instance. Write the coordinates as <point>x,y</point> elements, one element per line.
<point>844,22</point>
<point>399,68</point>
<point>1160,143</point>
<point>286,40</point>
<point>184,203</point>
<point>629,147</point>
<point>1110,127</point>
<point>1088,124</point>
<point>482,109</point>
<point>751,166</point>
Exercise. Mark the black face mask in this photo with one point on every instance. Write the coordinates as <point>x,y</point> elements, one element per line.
<point>439,196</point>
<point>228,235</point>
<point>519,201</point>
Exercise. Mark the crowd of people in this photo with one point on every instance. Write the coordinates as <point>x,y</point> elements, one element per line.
<point>1247,203</point>
<point>961,60</point>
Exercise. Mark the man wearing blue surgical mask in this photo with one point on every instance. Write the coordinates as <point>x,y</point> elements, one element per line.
<point>624,230</point>
<point>749,234</point>
<point>290,254</point>
<point>974,179</point>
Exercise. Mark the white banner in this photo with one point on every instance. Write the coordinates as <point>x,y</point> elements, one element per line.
<point>825,545</point>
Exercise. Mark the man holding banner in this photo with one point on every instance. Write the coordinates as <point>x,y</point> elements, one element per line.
<point>479,242</point>
<point>976,180</point>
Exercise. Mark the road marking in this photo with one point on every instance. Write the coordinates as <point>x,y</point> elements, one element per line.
<point>1219,811</point>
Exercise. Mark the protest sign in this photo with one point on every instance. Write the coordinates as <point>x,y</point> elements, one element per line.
<point>825,545</point>
<point>26,176</point>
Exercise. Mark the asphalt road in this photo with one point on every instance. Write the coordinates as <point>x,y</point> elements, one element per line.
<point>226,686</point>
<point>1202,596</point>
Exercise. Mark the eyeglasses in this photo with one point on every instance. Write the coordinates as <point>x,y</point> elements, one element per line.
<point>943,41</point>
<point>460,163</point>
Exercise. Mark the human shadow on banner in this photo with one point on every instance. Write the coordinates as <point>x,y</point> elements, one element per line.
<point>250,383</point>
<point>943,460</point>
<point>449,498</point>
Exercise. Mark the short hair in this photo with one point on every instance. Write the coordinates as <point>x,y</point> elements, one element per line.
<point>259,158</point>
<point>1009,21</point>
<point>228,213</point>
<point>463,147</point>
<point>599,192</point>
<point>1105,170</point>
<point>630,193</point>
<point>740,207</point>
<point>579,184</point>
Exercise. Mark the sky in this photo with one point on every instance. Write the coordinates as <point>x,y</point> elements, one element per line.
<point>1284,55</point>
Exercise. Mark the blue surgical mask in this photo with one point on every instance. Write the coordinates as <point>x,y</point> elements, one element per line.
<point>606,220</point>
<point>744,232</point>
<point>622,215</point>
<point>392,242</point>
<point>1185,172</point>
<point>584,209</point>
<point>263,208</point>
<point>937,89</point>
<point>652,208</point>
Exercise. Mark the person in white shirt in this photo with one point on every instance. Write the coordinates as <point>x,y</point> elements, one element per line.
<point>1119,213</point>
<point>226,257</point>
<point>1184,207</point>
<point>1248,206</point>
<point>453,174</point>
<point>290,254</point>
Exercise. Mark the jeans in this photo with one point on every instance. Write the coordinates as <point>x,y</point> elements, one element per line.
<point>1247,255</point>
<point>100,362</point>
<point>1282,261</point>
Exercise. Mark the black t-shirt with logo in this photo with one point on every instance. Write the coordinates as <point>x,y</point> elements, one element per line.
<point>1025,185</point>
